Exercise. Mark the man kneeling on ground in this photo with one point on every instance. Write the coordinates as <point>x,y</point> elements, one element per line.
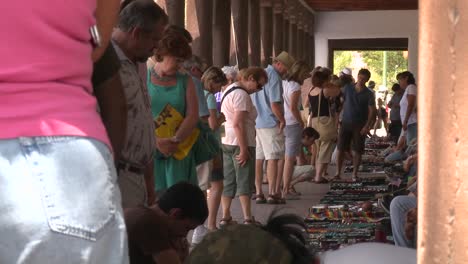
<point>158,234</point>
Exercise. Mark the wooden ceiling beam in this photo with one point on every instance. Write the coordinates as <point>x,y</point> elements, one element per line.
<point>361,5</point>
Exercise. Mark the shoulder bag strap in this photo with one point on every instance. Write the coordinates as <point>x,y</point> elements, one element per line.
<point>230,91</point>
<point>320,103</point>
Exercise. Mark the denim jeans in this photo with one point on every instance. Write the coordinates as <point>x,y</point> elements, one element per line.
<point>395,157</point>
<point>412,133</point>
<point>399,207</point>
<point>59,202</point>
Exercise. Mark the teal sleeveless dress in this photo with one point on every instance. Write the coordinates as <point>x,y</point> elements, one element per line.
<point>169,171</point>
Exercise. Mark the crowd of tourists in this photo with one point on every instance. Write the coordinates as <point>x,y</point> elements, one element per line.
<point>117,141</point>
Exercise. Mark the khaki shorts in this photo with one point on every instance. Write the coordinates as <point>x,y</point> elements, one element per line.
<point>133,189</point>
<point>270,144</point>
<point>324,150</point>
<point>238,180</point>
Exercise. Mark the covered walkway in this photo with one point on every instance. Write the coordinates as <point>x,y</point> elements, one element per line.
<point>250,32</point>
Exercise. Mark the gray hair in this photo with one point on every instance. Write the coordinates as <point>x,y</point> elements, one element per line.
<point>143,14</point>
<point>231,72</point>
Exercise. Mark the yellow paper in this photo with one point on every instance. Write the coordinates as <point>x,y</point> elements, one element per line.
<point>167,124</point>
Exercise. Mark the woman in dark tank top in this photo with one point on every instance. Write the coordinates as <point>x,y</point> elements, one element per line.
<point>323,94</point>
<point>314,104</point>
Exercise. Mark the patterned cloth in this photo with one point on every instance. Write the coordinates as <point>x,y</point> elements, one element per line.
<point>140,142</point>
<point>240,244</point>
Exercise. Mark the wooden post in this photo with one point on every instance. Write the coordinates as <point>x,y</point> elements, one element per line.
<point>286,33</point>
<point>221,32</point>
<point>278,29</point>
<point>292,37</point>
<point>442,126</point>
<point>241,31</point>
<point>299,43</point>
<point>254,33</point>
<point>199,15</point>
<point>175,10</point>
<point>266,18</point>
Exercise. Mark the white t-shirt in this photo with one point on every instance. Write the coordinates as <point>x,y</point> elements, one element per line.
<point>289,87</point>
<point>410,90</point>
<point>238,100</point>
<point>370,253</point>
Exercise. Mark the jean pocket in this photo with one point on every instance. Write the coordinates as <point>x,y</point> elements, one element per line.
<point>78,185</point>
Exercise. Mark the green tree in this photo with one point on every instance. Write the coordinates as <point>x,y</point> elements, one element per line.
<point>396,62</point>
<point>341,60</point>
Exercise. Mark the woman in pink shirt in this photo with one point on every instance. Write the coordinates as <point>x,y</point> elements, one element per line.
<point>58,196</point>
<point>239,142</point>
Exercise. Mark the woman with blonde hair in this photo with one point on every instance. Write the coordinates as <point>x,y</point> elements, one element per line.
<point>239,142</point>
<point>294,123</point>
<point>214,79</point>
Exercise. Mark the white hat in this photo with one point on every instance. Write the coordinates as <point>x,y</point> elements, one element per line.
<point>346,71</point>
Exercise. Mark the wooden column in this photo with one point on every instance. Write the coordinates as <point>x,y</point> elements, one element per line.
<point>254,33</point>
<point>266,29</point>
<point>299,43</point>
<point>199,24</point>
<point>292,38</point>
<point>277,30</point>
<point>175,10</point>
<point>221,32</point>
<point>241,31</point>
<point>285,34</point>
<point>311,38</point>
<point>305,44</point>
<point>442,126</point>
<point>312,50</point>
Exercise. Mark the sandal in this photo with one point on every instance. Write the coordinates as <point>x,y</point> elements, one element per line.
<point>226,222</point>
<point>280,200</point>
<point>292,190</point>
<point>335,178</point>
<point>321,181</point>
<point>271,199</point>
<point>260,199</point>
<point>250,221</point>
<point>275,199</point>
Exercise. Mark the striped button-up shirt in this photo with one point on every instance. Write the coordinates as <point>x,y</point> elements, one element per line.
<point>139,145</point>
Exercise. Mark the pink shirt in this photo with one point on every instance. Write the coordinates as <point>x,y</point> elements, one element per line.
<point>237,101</point>
<point>45,70</point>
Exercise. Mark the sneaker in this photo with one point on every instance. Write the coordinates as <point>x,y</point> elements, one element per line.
<point>384,203</point>
<point>198,234</point>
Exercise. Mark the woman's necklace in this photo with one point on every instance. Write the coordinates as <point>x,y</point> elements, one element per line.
<point>160,78</point>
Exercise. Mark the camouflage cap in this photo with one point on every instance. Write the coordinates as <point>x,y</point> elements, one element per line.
<point>240,244</point>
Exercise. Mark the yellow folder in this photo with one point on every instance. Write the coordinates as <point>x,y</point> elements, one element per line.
<point>167,124</point>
